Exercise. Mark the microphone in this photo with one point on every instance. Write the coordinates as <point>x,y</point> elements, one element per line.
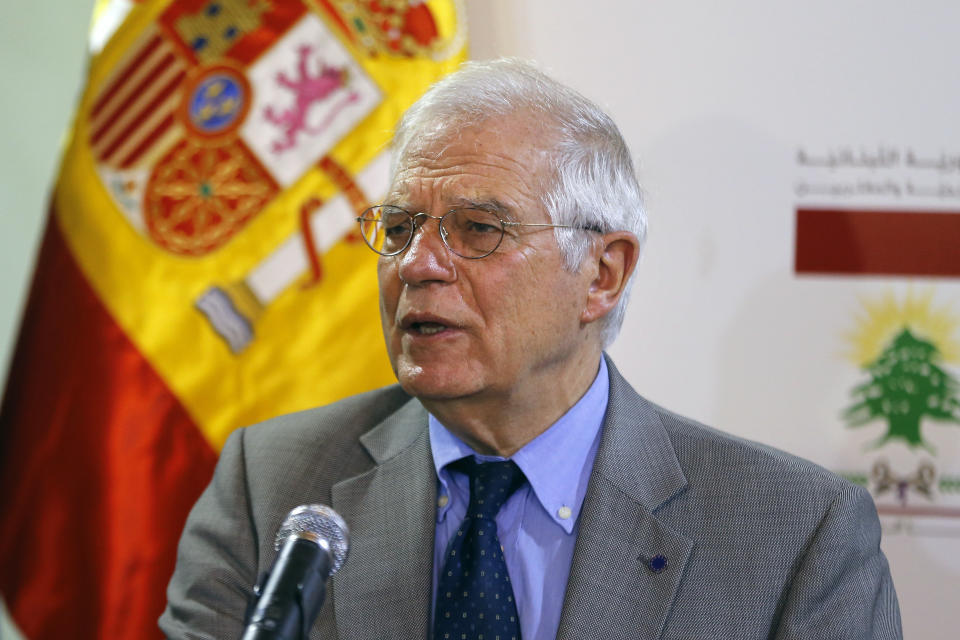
<point>312,546</point>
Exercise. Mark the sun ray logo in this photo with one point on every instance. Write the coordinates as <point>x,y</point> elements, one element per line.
<point>904,348</point>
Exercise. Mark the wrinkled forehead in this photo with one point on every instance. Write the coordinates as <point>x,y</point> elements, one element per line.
<point>516,148</point>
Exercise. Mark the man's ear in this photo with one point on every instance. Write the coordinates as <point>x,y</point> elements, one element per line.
<point>616,257</point>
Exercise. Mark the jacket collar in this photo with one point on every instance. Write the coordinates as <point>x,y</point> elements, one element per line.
<point>390,509</point>
<point>617,586</point>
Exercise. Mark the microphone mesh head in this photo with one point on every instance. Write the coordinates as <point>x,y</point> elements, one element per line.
<point>317,521</point>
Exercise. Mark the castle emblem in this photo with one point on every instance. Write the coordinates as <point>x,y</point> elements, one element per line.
<point>218,26</point>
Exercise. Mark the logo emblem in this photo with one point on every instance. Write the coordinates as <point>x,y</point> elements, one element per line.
<point>219,107</point>
<point>216,102</point>
<point>134,111</point>
<point>905,408</point>
<point>308,93</point>
<point>198,197</point>
<point>211,31</point>
<point>901,350</point>
<point>308,90</point>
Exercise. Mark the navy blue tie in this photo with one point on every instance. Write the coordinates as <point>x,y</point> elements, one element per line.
<point>474,594</point>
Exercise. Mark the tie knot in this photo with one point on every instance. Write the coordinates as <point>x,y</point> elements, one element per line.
<point>491,483</point>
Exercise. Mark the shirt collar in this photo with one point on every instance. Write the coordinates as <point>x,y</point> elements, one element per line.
<point>569,445</point>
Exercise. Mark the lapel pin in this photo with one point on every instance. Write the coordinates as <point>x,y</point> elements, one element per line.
<point>657,563</point>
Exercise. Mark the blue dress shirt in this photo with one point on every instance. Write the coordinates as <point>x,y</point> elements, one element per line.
<point>537,526</point>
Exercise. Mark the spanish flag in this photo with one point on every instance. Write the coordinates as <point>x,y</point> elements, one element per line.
<point>199,272</point>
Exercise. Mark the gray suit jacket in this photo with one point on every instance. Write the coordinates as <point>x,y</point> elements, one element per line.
<point>759,544</point>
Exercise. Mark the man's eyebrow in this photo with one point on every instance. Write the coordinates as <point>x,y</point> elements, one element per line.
<point>488,204</point>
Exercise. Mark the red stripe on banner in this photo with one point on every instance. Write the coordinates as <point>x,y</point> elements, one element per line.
<point>904,243</point>
<point>136,94</point>
<point>147,142</point>
<point>99,466</point>
<point>169,88</point>
<point>128,71</point>
<point>909,511</point>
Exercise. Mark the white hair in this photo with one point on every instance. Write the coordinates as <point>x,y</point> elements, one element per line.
<point>594,184</point>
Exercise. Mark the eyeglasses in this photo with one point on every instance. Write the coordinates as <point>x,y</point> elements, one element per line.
<point>468,232</point>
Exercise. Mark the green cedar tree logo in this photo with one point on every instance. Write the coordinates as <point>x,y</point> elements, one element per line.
<point>906,385</point>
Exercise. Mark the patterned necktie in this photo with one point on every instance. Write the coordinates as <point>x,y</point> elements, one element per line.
<point>474,595</point>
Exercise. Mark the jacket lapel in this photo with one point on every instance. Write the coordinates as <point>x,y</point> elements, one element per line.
<point>615,589</point>
<point>391,511</point>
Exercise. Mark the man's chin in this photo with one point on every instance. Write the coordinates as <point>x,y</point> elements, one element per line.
<point>436,382</point>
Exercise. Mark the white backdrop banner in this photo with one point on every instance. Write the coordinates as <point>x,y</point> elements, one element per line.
<point>800,284</point>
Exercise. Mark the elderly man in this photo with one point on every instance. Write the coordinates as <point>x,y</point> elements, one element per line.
<point>513,484</point>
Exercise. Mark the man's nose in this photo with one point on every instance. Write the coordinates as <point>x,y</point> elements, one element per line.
<point>427,258</point>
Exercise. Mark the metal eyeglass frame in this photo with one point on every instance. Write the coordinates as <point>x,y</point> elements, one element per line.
<point>443,233</point>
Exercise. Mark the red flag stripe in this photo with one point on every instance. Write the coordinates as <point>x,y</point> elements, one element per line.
<point>144,89</point>
<point>148,109</point>
<point>144,127</point>
<point>100,464</point>
<point>128,71</point>
<point>918,511</point>
<point>905,243</point>
<point>147,142</point>
<point>132,89</point>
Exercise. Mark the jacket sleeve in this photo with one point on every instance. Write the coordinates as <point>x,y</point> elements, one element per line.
<point>842,587</point>
<point>216,558</point>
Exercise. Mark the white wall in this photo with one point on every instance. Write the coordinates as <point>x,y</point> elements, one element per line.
<point>42,48</point>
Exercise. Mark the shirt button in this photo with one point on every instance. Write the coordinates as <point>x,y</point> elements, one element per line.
<point>564,512</point>
<point>442,501</point>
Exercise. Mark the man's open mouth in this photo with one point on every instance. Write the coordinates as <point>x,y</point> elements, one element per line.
<point>427,328</point>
